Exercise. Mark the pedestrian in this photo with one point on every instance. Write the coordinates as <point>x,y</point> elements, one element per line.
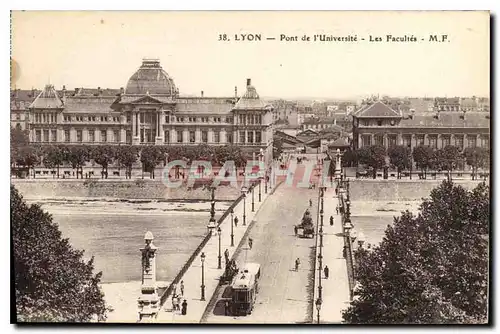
<point>310,202</point>
<point>184,307</point>
<point>331,220</point>
<point>327,272</point>
<point>226,255</point>
<point>297,263</point>
<point>250,242</point>
<point>174,290</point>
<point>226,307</point>
<point>178,302</point>
<point>173,303</point>
<point>337,209</point>
<point>336,191</point>
<point>295,229</point>
<point>182,288</point>
<point>236,221</point>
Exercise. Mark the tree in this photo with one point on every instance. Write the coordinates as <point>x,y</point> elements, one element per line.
<point>373,156</point>
<point>448,158</point>
<point>77,156</point>
<point>430,268</point>
<point>151,156</point>
<point>54,156</point>
<point>349,158</point>
<point>28,156</point>
<point>277,147</point>
<point>52,281</point>
<point>400,158</point>
<point>103,155</point>
<point>126,157</point>
<point>423,158</point>
<point>18,137</point>
<point>477,157</point>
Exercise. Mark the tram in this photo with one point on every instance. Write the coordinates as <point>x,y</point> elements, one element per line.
<point>244,289</point>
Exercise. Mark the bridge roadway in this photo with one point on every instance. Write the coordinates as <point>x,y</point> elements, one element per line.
<point>284,294</point>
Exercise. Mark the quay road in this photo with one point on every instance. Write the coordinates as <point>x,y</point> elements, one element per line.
<point>285,296</point>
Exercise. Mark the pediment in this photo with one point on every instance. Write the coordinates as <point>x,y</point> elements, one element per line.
<point>146,100</point>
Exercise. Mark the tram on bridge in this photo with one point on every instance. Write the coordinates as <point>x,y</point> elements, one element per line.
<point>244,289</point>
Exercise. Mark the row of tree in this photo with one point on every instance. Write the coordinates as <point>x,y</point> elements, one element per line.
<point>430,268</point>
<point>124,156</point>
<point>426,158</point>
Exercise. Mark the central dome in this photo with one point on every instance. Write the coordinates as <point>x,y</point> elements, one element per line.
<point>150,78</point>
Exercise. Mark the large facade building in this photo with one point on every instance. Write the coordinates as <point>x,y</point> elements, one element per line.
<point>150,111</point>
<point>379,124</point>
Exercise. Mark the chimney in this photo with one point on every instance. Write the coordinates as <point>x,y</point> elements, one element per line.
<point>122,91</point>
<point>249,82</point>
<point>201,93</point>
<point>437,114</point>
<point>77,90</point>
<point>64,91</point>
<point>99,91</point>
<point>412,113</point>
<point>236,91</point>
<point>463,115</point>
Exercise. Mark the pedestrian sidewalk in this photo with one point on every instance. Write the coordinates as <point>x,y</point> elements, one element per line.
<point>192,277</point>
<point>335,289</point>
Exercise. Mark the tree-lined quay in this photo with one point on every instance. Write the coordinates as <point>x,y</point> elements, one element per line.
<point>425,158</point>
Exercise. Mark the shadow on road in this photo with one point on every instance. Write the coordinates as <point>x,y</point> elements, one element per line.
<point>339,234</point>
<point>219,308</point>
<point>226,293</point>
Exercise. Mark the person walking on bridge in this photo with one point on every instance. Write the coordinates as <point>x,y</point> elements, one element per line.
<point>327,272</point>
<point>310,202</point>
<point>182,288</point>
<point>250,242</point>
<point>297,264</point>
<point>295,229</point>
<point>236,221</point>
<point>332,221</point>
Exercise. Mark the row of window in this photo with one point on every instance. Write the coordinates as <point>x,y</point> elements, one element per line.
<point>91,119</point>
<point>249,119</point>
<point>420,141</point>
<point>192,137</point>
<point>51,136</point>
<point>182,119</point>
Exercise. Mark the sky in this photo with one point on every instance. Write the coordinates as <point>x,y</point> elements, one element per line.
<point>91,49</point>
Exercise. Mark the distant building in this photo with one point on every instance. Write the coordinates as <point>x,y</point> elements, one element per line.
<point>379,124</point>
<point>148,111</point>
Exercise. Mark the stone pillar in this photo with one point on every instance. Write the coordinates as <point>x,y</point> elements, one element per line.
<point>466,144</point>
<point>159,128</point>
<point>372,139</point>
<point>136,132</point>
<point>123,135</point>
<point>439,143</point>
<point>223,136</point>
<point>400,139</point>
<point>149,302</point>
<point>60,134</point>
<point>478,140</point>
<point>185,136</point>
<point>385,142</point>
<point>426,139</point>
<point>452,139</point>
<point>338,165</point>
<point>360,141</point>
<point>413,141</point>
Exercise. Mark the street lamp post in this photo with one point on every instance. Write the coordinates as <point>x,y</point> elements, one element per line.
<point>219,263</point>
<point>318,308</point>
<point>320,288</point>
<point>260,191</point>
<point>253,199</point>
<point>232,224</point>
<point>321,236</point>
<point>244,192</point>
<point>202,276</point>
